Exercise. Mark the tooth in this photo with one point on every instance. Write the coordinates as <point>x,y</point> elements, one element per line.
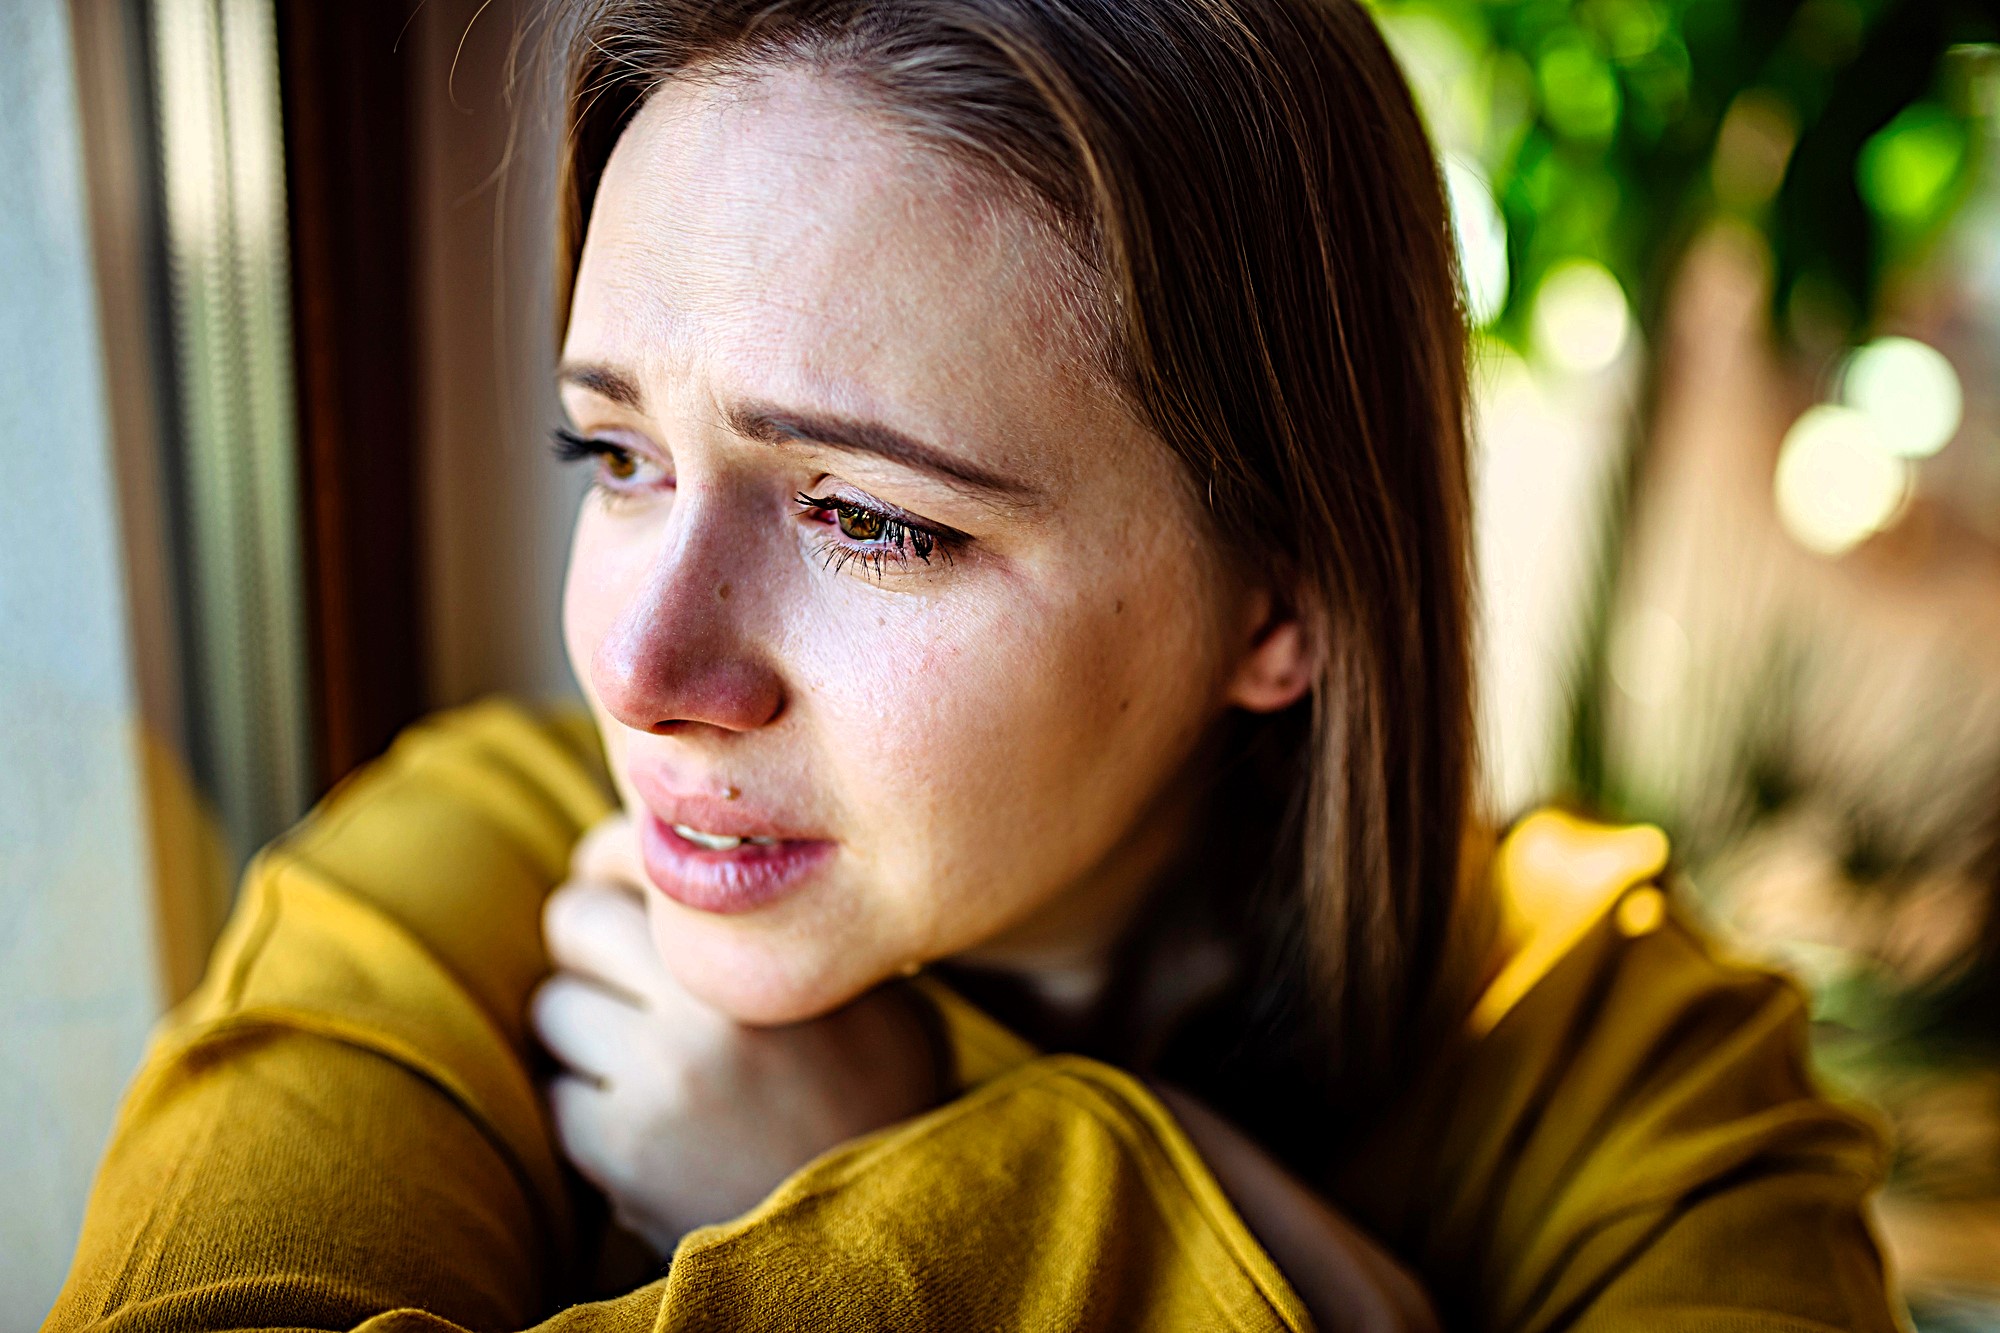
<point>715,842</point>
<point>762,842</point>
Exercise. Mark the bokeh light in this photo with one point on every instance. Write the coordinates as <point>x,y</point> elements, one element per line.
<point>1837,481</point>
<point>1906,171</point>
<point>1581,320</point>
<point>1482,242</point>
<point>1911,391</point>
<point>1580,95</point>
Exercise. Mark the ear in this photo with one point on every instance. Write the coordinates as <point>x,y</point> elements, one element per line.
<point>1279,661</point>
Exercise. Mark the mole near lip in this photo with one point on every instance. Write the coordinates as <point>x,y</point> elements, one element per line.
<point>669,802</point>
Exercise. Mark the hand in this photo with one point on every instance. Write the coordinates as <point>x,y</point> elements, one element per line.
<point>679,1114</point>
<point>1349,1283</point>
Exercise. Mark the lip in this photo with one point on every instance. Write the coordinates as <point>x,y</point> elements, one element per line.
<point>740,879</point>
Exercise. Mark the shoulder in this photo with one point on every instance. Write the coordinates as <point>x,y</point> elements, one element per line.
<point>1617,1072</point>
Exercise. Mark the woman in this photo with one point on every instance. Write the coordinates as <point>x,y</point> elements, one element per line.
<point>1027,554</point>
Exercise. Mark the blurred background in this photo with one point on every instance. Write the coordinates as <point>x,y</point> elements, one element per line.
<point>275,340</point>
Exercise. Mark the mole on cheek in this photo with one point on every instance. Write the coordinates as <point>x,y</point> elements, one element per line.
<point>722,593</point>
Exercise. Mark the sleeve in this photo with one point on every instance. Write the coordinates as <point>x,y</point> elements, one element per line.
<point>340,1120</point>
<point>1637,1143</point>
<point>340,1128</point>
<point>1060,1195</point>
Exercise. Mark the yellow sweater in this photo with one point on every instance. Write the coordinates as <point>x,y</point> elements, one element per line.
<point>340,1129</point>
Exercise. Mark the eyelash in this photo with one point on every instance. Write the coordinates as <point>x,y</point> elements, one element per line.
<point>896,539</point>
<point>569,447</point>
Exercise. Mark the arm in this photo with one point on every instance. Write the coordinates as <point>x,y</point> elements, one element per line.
<point>340,1130</point>
<point>684,1117</point>
<point>340,1121</point>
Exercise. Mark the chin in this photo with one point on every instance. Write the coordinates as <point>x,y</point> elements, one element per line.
<point>763,982</point>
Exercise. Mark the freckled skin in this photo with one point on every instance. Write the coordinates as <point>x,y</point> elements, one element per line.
<point>999,747</point>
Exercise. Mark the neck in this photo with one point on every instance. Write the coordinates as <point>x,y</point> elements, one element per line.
<point>1060,965</point>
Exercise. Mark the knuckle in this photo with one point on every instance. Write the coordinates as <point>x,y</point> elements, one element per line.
<point>554,994</point>
<point>542,1007</point>
<point>575,915</point>
<point>596,849</point>
<point>559,910</point>
<point>581,1137</point>
<point>554,1008</point>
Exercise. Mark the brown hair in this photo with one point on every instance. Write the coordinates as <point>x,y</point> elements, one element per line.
<point>1250,184</point>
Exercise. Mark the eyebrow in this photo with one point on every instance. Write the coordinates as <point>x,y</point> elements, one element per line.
<point>773,425</point>
<point>767,423</point>
<point>606,382</point>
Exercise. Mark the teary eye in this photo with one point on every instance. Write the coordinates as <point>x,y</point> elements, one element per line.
<point>875,538</point>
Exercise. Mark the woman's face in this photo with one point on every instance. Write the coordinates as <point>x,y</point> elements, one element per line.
<point>901,631</point>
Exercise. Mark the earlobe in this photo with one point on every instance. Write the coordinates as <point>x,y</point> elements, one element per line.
<point>1279,667</point>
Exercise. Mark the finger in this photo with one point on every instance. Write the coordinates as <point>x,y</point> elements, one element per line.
<point>591,1031</point>
<point>585,1122</point>
<point>579,1115</point>
<point>610,853</point>
<point>600,931</point>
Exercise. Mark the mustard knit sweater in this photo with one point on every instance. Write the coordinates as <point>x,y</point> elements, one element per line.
<point>340,1129</point>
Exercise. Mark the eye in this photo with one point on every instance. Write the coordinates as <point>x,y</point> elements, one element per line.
<point>879,539</point>
<point>618,468</point>
<point>860,524</point>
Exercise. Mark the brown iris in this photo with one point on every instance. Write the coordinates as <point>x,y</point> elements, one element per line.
<point>859,524</point>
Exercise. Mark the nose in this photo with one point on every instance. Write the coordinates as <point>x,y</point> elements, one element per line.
<point>677,657</point>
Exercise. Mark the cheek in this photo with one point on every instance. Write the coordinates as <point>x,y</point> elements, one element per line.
<point>1002,750</point>
<point>983,759</point>
<point>1090,707</point>
<point>604,567</point>
<point>588,599</point>
<point>608,562</point>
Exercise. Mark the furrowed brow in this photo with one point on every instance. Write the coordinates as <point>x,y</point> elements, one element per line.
<point>769,424</point>
<point>608,382</point>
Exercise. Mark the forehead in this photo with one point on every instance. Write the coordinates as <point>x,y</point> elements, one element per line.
<point>769,231</point>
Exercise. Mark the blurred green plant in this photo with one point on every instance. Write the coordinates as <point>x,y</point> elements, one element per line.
<point>1612,130</point>
<point>1587,140</point>
<point>1591,140</point>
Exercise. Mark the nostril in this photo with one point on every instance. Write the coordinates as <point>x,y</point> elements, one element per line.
<point>673,660</point>
<point>701,692</point>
